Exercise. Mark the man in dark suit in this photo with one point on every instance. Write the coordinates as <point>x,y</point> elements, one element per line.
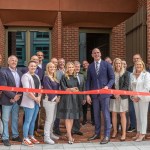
<point>85,65</point>
<point>132,126</point>
<point>100,75</point>
<point>10,101</point>
<point>81,81</point>
<point>42,65</point>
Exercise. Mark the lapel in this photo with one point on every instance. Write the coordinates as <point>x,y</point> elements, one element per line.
<point>93,67</point>
<point>101,68</point>
<point>9,73</point>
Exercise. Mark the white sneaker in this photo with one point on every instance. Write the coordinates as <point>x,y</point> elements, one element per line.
<point>48,141</point>
<point>53,136</point>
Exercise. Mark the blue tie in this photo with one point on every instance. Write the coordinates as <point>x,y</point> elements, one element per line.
<point>97,68</point>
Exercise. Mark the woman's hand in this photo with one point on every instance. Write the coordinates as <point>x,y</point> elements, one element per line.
<point>37,100</point>
<point>74,89</point>
<point>58,99</point>
<point>117,97</point>
<point>135,98</point>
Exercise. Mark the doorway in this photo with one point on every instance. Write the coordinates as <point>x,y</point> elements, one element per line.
<point>88,41</point>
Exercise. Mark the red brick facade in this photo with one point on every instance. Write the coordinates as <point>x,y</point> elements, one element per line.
<point>2,40</point>
<point>65,39</point>
<point>118,41</point>
<point>57,37</point>
<point>70,46</point>
<point>148,32</point>
<point>119,38</point>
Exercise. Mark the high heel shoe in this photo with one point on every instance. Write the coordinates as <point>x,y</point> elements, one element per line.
<point>122,139</point>
<point>114,135</point>
<point>140,138</point>
<point>136,137</point>
<point>70,142</point>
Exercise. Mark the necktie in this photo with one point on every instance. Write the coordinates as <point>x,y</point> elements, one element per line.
<point>97,68</point>
<point>78,79</point>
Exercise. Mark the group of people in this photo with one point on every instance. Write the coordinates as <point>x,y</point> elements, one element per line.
<point>58,75</point>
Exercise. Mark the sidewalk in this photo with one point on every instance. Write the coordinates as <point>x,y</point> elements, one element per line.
<point>145,145</point>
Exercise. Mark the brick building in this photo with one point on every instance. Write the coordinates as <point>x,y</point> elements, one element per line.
<point>71,28</point>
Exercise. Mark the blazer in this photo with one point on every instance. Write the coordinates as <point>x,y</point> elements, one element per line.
<point>28,82</point>
<point>81,86</point>
<point>142,84</point>
<point>7,79</point>
<point>123,84</point>
<point>49,84</point>
<point>104,78</point>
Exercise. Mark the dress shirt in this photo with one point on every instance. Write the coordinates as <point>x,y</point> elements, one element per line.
<point>16,76</point>
<point>78,78</point>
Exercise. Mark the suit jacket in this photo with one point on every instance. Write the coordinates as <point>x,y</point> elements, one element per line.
<point>59,75</point>
<point>104,78</point>
<point>28,82</point>
<point>142,85</point>
<point>123,84</point>
<point>130,69</point>
<point>7,79</point>
<point>81,86</point>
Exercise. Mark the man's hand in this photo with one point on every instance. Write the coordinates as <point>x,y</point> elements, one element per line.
<point>88,98</point>
<point>105,87</point>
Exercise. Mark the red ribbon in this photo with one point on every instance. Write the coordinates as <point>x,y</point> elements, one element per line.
<point>98,91</point>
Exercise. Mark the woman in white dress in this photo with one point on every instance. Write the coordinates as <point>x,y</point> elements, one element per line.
<point>119,103</point>
<point>140,82</point>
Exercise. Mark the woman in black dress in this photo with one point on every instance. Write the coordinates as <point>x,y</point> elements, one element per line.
<point>69,107</point>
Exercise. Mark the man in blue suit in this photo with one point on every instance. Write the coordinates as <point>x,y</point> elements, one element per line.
<point>10,100</point>
<point>100,75</point>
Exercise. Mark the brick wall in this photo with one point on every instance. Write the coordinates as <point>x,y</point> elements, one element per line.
<point>2,41</point>
<point>118,41</point>
<point>57,37</point>
<point>148,32</point>
<point>119,38</point>
<point>141,3</point>
<point>70,43</point>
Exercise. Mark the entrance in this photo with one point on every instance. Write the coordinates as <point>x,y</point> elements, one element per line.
<point>88,41</point>
<point>24,43</point>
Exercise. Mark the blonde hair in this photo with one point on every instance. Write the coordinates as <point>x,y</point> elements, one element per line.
<point>122,68</point>
<point>53,78</point>
<point>66,70</point>
<point>144,69</point>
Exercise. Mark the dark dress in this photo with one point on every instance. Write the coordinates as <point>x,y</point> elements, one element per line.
<point>69,106</point>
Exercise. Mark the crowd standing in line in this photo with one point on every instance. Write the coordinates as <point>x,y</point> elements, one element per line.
<point>59,75</point>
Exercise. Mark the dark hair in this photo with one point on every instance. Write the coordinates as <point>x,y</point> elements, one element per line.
<point>31,62</point>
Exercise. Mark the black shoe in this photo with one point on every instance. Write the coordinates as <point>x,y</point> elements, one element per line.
<point>130,129</point>
<point>84,122</point>
<point>92,122</point>
<point>57,132</point>
<point>105,140</point>
<point>6,142</point>
<point>77,132</point>
<point>95,136</point>
<point>18,139</point>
